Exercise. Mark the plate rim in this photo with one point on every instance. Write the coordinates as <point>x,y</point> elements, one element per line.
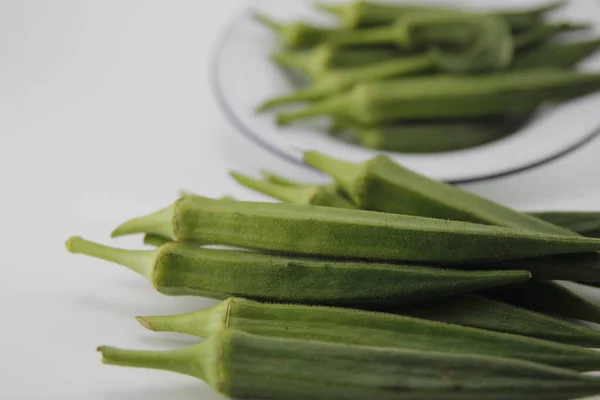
<point>243,129</point>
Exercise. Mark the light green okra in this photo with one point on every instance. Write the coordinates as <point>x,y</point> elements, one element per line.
<point>582,222</point>
<point>317,61</point>
<point>338,232</point>
<point>186,269</point>
<point>245,366</point>
<point>548,297</point>
<point>558,55</point>
<point>296,35</point>
<point>449,96</point>
<point>364,13</point>
<point>341,325</point>
<point>309,195</point>
<point>485,313</point>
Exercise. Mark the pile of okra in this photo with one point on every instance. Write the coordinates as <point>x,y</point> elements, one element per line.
<point>383,284</point>
<point>424,79</point>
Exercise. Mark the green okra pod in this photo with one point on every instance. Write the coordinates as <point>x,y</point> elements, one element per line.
<point>313,195</point>
<point>185,269</point>
<point>584,223</point>
<point>426,137</point>
<point>485,313</point>
<point>296,34</point>
<point>338,232</point>
<point>364,13</point>
<point>245,366</point>
<point>447,97</point>
<point>548,297</point>
<point>317,61</point>
<point>540,33</point>
<point>348,326</point>
<point>557,55</point>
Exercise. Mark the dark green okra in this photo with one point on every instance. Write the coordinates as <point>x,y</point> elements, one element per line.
<point>449,96</point>
<point>341,325</point>
<point>425,137</point>
<point>584,223</point>
<point>338,232</point>
<point>364,13</point>
<point>548,297</point>
<point>316,61</point>
<point>245,366</point>
<point>186,269</point>
<point>557,55</point>
<point>541,33</point>
<point>485,313</point>
<point>298,194</point>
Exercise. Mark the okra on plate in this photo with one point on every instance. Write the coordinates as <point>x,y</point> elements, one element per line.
<point>245,366</point>
<point>559,55</point>
<point>485,313</point>
<point>186,269</point>
<point>337,232</point>
<point>296,34</point>
<point>341,325</point>
<point>449,96</point>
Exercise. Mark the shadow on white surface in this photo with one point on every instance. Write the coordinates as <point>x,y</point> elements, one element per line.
<point>179,392</point>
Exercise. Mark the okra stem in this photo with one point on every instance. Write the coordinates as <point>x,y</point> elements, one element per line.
<point>155,240</point>
<point>140,261</point>
<point>268,22</point>
<point>158,223</point>
<point>295,195</point>
<point>180,360</point>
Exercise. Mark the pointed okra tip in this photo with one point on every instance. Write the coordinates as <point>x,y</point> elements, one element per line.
<point>160,223</point>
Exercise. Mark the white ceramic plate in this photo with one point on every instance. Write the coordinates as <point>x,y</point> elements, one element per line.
<point>243,77</point>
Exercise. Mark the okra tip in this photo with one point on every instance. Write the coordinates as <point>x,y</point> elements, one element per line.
<point>159,223</point>
<point>146,322</point>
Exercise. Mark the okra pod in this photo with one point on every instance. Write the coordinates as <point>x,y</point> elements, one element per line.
<point>548,297</point>
<point>317,61</point>
<point>245,366</point>
<point>363,13</point>
<point>341,325</point>
<point>482,312</point>
<point>423,137</point>
<point>446,97</point>
<point>542,32</point>
<point>185,269</point>
<point>338,232</point>
<point>557,55</point>
<point>297,34</point>
<point>584,223</point>
<point>308,195</point>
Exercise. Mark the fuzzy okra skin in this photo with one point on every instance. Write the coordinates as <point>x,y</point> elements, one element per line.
<point>450,96</point>
<point>348,326</point>
<point>478,311</point>
<point>364,13</point>
<point>186,269</point>
<point>557,55</point>
<point>245,366</point>
<point>337,232</point>
<point>548,297</point>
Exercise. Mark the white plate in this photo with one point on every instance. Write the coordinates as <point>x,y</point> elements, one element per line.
<point>243,77</point>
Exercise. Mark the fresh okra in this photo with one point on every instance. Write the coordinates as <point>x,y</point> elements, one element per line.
<point>557,55</point>
<point>317,61</point>
<point>427,137</point>
<point>347,326</point>
<point>485,313</point>
<point>446,97</point>
<point>364,13</point>
<point>584,223</point>
<point>297,34</point>
<point>308,195</point>
<point>245,366</point>
<point>548,297</point>
<point>543,32</point>
<point>338,232</point>
<point>186,269</point>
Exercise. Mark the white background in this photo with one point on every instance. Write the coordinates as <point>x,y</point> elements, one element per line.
<point>105,113</point>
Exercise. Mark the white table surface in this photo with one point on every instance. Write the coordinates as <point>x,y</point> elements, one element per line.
<point>105,113</point>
